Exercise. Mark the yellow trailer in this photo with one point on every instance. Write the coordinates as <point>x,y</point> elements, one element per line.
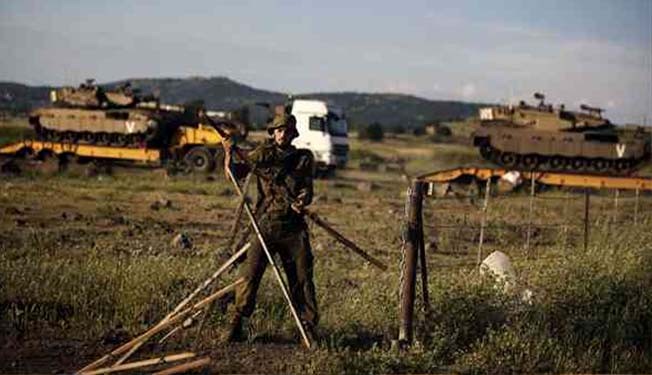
<point>199,147</point>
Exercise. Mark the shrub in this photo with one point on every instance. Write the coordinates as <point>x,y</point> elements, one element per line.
<point>372,132</point>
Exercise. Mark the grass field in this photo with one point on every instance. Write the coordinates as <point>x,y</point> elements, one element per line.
<point>86,262</point>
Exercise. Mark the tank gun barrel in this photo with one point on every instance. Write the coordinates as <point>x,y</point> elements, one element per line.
<point>589,108</point>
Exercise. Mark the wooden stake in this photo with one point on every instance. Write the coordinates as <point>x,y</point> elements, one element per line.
<point>279,278</point>
<point>192,295</point>
<point>202,362</point>
<point>139,364</point>
<point>160,326</point>
<point>343,240</point>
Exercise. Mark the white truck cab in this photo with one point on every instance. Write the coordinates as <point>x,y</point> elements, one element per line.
<point>324,131</point>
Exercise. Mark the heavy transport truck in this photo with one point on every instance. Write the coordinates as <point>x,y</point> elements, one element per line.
<point>323,129</point>
<point>89,123</point>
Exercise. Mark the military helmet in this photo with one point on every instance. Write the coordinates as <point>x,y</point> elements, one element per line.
<point>283,120</point>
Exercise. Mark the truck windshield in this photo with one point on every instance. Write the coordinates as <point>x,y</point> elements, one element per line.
<point>337,126</point>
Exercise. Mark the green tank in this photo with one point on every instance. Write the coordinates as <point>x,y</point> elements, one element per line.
<point>93,115</point>
<point>541,137</point>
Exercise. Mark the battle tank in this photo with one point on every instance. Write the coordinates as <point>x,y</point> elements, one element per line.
<point>540,137</point>
<point>93,115</point>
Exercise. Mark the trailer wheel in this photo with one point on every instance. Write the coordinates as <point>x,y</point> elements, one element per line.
<point>200,160</point>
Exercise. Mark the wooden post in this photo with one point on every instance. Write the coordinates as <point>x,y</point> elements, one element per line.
<point>483,222</point>
<point>529,218</point>
<point>410,257</point>
<point>587,203</point>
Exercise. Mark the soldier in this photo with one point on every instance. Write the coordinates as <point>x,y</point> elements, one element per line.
<point>284,181</point>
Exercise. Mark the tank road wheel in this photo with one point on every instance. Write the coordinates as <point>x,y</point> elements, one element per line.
<point>599,165</point>
<point>487,152</point>
<point>56,136</point>
<point>70,137</point>
<point>578,164</point>
<point>509,159</point>
<point>530,161</point>
<point>557,162</point>
<point>623,165</point>
<point>200,160</point>
<point>103,139</point>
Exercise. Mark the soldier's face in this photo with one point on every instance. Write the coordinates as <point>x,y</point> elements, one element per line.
<point>282,136</point>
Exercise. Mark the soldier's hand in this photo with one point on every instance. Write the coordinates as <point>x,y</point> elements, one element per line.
<point>298,206</point>
<point>227,158</point>
<point>227,144</point>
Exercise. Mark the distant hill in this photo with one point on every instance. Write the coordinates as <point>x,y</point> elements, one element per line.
<point>221,93</point>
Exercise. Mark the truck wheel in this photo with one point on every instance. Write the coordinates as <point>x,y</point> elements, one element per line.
<point>200,160</point>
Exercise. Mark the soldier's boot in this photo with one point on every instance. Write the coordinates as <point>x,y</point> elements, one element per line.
<point>311,333</point>
<point>234,333</point>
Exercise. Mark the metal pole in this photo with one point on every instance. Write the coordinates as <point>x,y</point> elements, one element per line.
<point>586,218</point>
<point>410,256</point>
<point>423,263</point>
<point>565,215</point>
<point>616,196</point>
<point>529,219</point>
<point>636,207</point>
<point>483,222</point>
<point>280,280</point>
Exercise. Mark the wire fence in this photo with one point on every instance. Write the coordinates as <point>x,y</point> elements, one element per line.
<point>532,220</point>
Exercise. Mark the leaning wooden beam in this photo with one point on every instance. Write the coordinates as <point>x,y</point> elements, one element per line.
<point>192,295</point>
<point>162,325</point>
<point>202,362</point>
<point>195,308</point>
<point>143,363</point>
<point>345,241</point>
<point>208,281</point>
<point>185,324</point>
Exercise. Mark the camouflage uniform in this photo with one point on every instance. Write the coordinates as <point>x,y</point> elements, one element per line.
<point>282,172</point>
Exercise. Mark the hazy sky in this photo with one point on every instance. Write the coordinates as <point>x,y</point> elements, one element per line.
<point>593,51</point>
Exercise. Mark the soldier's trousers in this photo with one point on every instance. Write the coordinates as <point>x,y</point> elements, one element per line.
<point>297,260</point>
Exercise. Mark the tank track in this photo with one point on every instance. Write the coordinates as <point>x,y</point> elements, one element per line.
<point>558,163</point>
<point>99,139</point>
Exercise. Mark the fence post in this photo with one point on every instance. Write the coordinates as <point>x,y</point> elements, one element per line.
<point>636,207</point>
<point>529,219</point>
<point>410,256</point>
<point>586,218</point>
<point>616,196</point>
<point>485,205</point>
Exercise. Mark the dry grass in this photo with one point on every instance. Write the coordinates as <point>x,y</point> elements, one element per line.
<point>81,256</point>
